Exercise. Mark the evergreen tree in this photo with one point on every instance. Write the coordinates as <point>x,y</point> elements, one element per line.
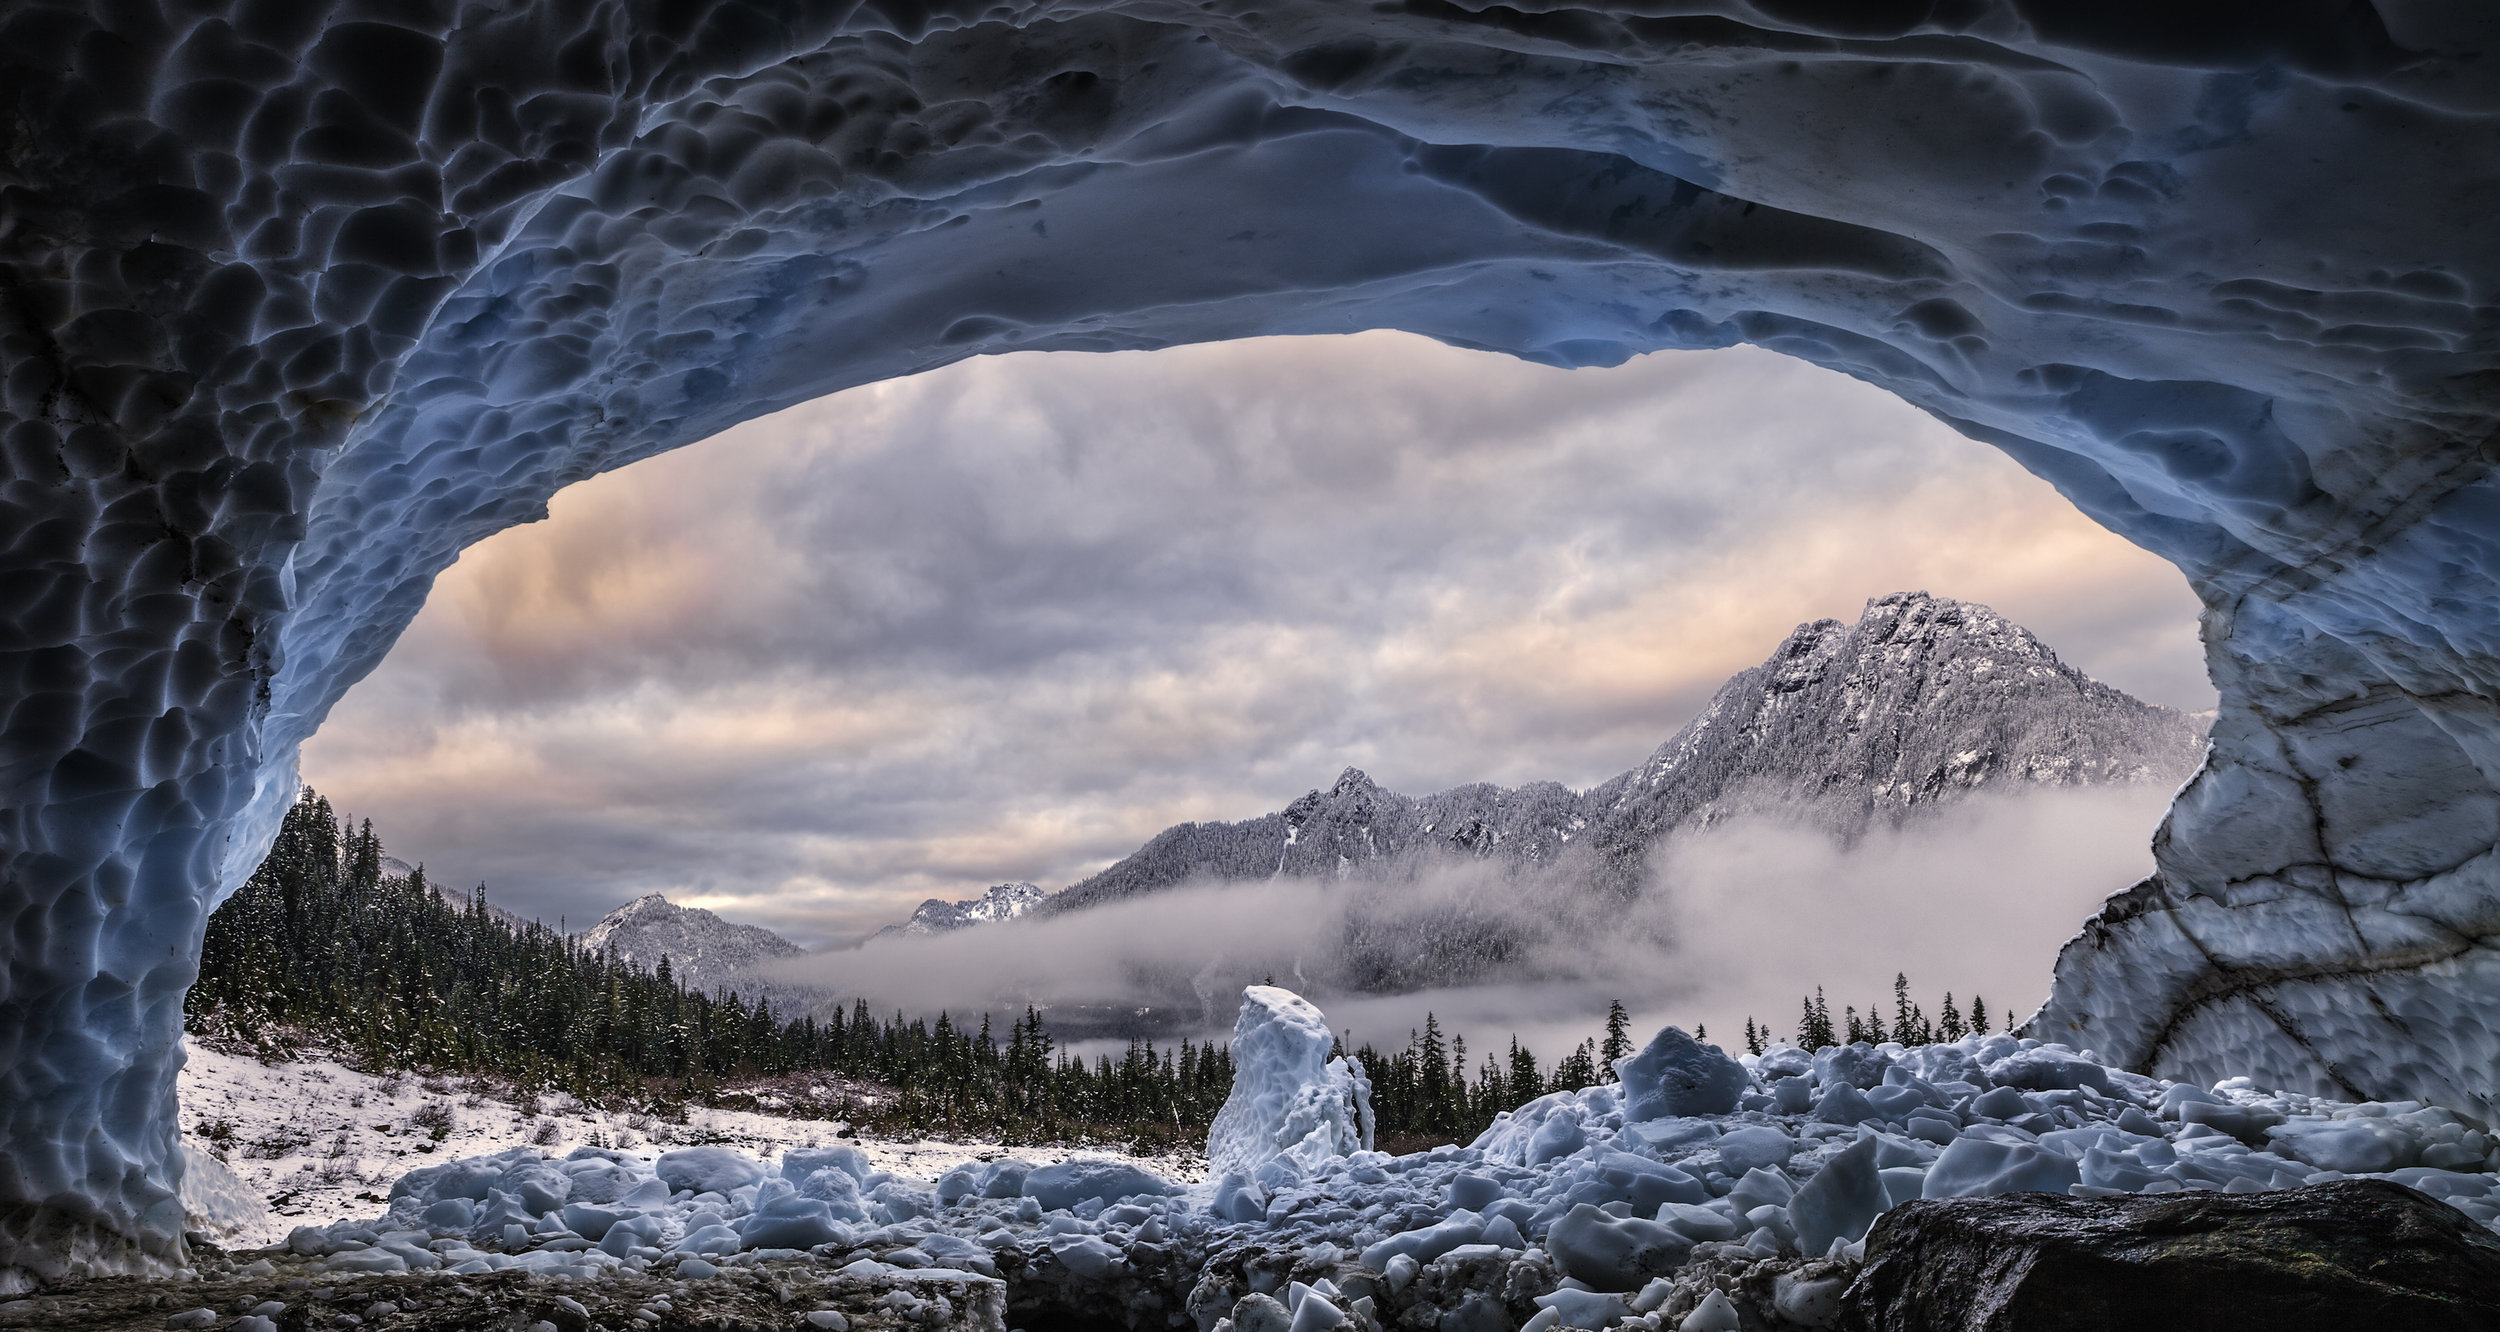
<point>1524,1084</point>
<point>1433,1081</point>
<point>1814,1029</point>
<point>1978,1016</point>
<point>1949,1024</point>
<point>1903,1029</point>
<point>1618,1044</point>
<point>1753,1036</point>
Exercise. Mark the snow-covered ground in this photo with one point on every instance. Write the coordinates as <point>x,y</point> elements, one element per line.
<point>318,1141</point>
<point>1625,1204</point>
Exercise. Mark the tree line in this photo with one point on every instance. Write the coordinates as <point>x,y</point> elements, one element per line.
<point>322,947</point>
<point>1910,1024</point>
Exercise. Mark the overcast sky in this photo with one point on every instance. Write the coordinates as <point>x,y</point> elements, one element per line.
<point>1009,619</point>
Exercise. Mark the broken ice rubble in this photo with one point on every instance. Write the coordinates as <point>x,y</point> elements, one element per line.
<point>1797,1154</point>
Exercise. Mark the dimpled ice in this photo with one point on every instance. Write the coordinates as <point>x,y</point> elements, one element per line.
<point>304,299</point>
<point>1292,1107</point>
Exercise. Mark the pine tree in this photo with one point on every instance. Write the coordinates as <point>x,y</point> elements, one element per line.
<point>1432,1063</point>
<point>1815,1032</point>
<point>1618,1043</point>
<point>1978,1016</point>
<point>1903,1029</point>
<point>1753,1036</point>
<point>1526,1083</point>
<point>1949,1023</point>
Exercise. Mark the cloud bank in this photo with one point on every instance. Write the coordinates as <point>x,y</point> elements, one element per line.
<point>1740,920</point>
<point>1008,619</point>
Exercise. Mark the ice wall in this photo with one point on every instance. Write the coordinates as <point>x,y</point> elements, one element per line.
<point>298,299</point>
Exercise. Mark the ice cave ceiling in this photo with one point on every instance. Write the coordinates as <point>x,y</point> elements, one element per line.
<point>300,298</point>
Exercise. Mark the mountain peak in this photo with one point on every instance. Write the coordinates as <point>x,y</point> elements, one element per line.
<point>1004,901</point>
<point>703,951</point>
<point>1919,702</point>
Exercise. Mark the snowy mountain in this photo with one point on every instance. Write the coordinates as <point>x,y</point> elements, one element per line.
<point>1004,901</point>
<point>703,951</point>
<point>1922,702</point>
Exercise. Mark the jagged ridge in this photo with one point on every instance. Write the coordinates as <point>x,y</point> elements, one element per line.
<point>1004,901</point>
<point>1921,702</point>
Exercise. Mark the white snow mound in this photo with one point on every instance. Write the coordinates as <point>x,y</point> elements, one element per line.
<point>1292,1107</point>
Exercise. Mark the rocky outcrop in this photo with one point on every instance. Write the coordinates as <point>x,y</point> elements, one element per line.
<point>297,301</point>
<point>2326,1258</point>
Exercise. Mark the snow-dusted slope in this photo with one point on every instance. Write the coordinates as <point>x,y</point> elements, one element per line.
<point>314,1140</point>
<point>1921,702</point>
<point>1004,901</point>
<point>704,952</point>
<point>301,300</point>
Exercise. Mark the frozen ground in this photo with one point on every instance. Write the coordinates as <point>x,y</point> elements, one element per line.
<point>318,1141</point>
<point>1624,1204</point>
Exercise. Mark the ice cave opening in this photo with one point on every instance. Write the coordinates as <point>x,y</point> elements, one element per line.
<point>303,299</point>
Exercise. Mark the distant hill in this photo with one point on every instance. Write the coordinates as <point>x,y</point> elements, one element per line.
<point>704,952</point>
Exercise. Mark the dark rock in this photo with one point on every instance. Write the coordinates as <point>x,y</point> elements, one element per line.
<point>2332,1257</point>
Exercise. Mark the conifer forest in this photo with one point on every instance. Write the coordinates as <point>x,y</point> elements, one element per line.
<point>321,948</point>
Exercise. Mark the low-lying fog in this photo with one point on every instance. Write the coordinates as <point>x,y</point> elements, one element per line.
<point>1738,921</point>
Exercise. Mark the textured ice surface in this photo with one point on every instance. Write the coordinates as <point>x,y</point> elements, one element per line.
<point>301,300</point>
<point>1593,1232</point>
<point>217,1203</point>
<point>1677,1075</point>
<point>1292,1107</point>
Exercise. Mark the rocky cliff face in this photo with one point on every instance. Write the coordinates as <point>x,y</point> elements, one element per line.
<point>1922,702</point>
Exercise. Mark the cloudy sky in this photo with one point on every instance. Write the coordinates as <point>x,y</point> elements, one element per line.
<point>1007,620</point>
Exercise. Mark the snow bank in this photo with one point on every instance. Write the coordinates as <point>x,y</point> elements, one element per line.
<point>308,1137</point>
<point>217,1203</point>
<point>1578,1200</point>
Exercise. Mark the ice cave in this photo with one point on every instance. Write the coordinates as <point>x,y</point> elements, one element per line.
<point>304,296</point>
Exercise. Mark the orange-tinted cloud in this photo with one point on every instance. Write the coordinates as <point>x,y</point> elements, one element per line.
<point>1008,619</point>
